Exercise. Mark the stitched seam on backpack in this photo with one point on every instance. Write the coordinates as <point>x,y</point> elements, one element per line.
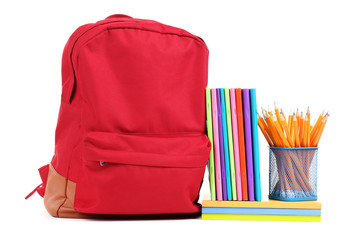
<point>57,212</point>
<point>139,29</point>
<point>129,28</point>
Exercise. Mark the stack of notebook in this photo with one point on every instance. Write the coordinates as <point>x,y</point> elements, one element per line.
<point>306,211</point>
<point>234,158</point>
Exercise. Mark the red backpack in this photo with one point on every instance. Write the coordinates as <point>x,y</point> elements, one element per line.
<point>130,137</point>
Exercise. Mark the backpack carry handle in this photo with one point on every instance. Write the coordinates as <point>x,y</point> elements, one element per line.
<point>118,16</point>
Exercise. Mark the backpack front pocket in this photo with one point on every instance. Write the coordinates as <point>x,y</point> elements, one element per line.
<point>141,174</point>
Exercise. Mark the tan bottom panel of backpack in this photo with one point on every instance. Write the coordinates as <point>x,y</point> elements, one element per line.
<point>59,196</point>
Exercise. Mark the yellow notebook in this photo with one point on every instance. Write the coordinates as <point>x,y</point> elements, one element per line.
<point>261,217</point>
<point>264,204</point>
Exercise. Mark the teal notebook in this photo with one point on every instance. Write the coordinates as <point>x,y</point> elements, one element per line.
<point>255,144</point>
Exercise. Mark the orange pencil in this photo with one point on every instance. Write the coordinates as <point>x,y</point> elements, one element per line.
<point>296,132</point>
<point>262,128</point>
<point>290,121</point>
<point>269,112</point>
<point>309,128</point>
<point>264,124</point>
<point>275,133</point>
<point>272,128</point>
<point>281,134</point>
<point>298,118</point>
<point>271,131</point>
<point>265,133</point>
<point>283,119</point>
<point>316,126</point>
<point>306,131</point>
<point>292,135</point>
<point>301,133</point>
<point>278,117</point>
<point>285,126</point>
<point>317,137</point>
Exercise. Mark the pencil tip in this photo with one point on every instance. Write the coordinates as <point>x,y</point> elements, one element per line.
<point>263,112</point>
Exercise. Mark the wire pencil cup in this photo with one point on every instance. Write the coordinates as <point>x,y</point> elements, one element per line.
<point>293,173</point>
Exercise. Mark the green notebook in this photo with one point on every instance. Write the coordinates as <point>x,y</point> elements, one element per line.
<point>210,136</point>
<point>231,144</point>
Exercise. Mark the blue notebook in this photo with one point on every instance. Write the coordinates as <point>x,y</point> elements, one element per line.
<point>255,144</point>
<point>263,211</point>
<point>226,145</point>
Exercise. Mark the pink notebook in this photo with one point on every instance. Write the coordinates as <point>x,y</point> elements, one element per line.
<point>216,146</point>
<point>236,144</point>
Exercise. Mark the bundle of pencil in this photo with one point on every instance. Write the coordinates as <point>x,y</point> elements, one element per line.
<point>296,132</point>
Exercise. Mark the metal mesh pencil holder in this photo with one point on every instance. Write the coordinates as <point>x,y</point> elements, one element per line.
<point>293,173</point>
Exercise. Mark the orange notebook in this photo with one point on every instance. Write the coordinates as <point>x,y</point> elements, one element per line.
<point>240,119</point>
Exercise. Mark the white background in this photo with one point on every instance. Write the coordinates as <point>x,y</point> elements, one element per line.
<point>297,53</point>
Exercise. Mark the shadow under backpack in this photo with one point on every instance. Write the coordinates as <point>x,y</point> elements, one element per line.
<point>131,133</point>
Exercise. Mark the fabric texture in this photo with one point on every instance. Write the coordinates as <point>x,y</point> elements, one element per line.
<point>131,130</point>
